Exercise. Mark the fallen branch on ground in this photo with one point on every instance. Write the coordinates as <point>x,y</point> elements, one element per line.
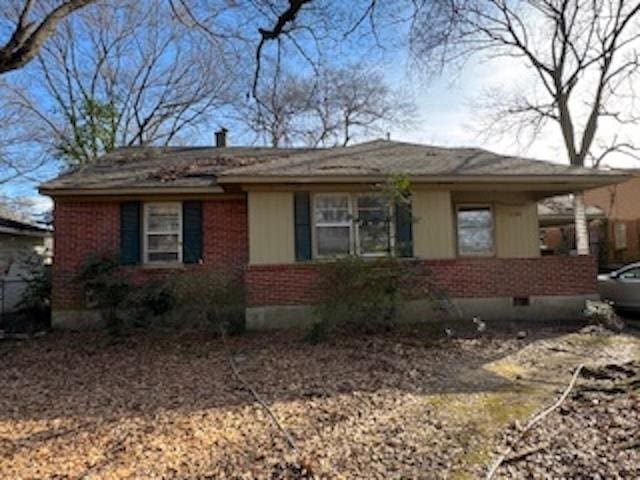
<point>500,460</point>
<point>525,453</point>
<point>255,394</point>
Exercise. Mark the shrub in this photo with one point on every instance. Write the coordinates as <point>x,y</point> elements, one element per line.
<point>106,287</point>
<point>366,294</point>
<point>149,302</point>
<point>214,297</point>
<point>35,303</point>
<point>603,314</point>
<point>196,297</point>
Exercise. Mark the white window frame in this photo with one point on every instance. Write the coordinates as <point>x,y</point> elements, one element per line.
<point>479,206</point>
<point>314,225</point>
<point>145,233</point>
<point>354,227</point>
<point>391,226</point>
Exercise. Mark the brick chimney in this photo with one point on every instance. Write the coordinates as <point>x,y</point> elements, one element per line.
<point>221,138</point>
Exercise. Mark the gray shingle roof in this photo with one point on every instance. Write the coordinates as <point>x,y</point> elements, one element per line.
<point>194,167</point>
<point>563,206</point>
<point>556,211</point>
<point>383,157</point>
<point>16,227</point>
<point>140,167</point>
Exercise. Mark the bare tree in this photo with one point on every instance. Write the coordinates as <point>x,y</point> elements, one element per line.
<point>20,140</point>
<point>361,103</point>
<point>584,58</point>
<point>22,209</point>
<point>331,108</point>
<point>122,76</point>
<point>31,24</point>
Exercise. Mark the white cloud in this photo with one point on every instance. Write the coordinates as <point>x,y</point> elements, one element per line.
<point>41,204</point>
<point>448,118</point>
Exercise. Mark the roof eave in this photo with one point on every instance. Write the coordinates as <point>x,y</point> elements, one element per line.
<point>163,190</point>
<point>25,233</point>
<point>588,181</point>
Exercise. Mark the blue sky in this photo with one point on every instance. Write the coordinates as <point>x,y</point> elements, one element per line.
<point>446,114</point>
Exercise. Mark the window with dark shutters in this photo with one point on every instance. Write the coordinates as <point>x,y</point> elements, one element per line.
<point>192,232</point>
<point>404,229</point>
<point>130,233</point>
<point>302,216</point>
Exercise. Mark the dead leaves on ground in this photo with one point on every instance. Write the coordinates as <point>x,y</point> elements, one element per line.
<point>162,406</point>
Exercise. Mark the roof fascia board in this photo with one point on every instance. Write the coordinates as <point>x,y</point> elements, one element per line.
<point>60,192</point>
<point>24,233</point>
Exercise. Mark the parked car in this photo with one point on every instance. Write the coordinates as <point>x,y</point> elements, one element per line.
<point>622,287</point>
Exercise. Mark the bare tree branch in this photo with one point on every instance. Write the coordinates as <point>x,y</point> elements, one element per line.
<point>29,36</point>
<point>330,109</point>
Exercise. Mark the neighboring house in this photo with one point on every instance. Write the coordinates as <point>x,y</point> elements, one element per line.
<point>274,216</point>
<point>557,226</point>
<point>621,206</point>
<point>18,240</point>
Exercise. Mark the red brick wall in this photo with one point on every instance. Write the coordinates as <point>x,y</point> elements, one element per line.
<point>80,228</point>
<point>481,277</point>
<point>85,227</point>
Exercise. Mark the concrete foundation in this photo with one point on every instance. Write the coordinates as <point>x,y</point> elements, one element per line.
<point>83,319</point>
<point>496,309</point>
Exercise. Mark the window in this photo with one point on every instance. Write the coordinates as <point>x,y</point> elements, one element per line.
<point>620,234</point>
<point>333,224</point>
<point>373,225</point>
<point>162,232</point>
<point>630,274</point>
<point>346,224</point>
<point>475,230</point>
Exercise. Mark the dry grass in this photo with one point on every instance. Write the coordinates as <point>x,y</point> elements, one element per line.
<point>161,406</point>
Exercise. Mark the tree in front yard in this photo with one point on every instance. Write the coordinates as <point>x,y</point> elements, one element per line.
<point>583,59</point>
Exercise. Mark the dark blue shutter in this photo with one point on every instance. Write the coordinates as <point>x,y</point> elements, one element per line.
<point>192,232</point>
<point>130,233</point>
<point>302,219</point>
<point>404,229</point>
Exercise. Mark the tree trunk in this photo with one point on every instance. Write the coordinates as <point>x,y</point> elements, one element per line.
<point>582,232</point>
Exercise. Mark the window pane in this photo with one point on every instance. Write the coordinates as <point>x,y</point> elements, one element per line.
<point>474,218</point>
<point>332,209</point>
<point>372,209</point>
<point>475,233</point>
<point>373,224</point>
<point>633,273</point>
<point>371,201</point>
<point>163,257</point>
<point>163,218</point>
<point>163,243</point>
<point>333,240</point>
<point>374,239</point>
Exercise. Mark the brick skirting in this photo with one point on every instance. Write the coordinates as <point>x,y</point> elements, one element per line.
<point>459,278</point>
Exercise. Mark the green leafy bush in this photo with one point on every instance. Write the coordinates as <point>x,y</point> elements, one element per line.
<point>364,294</point>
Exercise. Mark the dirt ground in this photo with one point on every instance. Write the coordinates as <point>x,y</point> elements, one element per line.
<point>402,405</point>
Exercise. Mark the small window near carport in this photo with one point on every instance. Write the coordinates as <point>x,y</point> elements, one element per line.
<point>620,235</point>
<point>475,230</point>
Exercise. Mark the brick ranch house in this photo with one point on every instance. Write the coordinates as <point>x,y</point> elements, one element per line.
<point>273,216</point>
